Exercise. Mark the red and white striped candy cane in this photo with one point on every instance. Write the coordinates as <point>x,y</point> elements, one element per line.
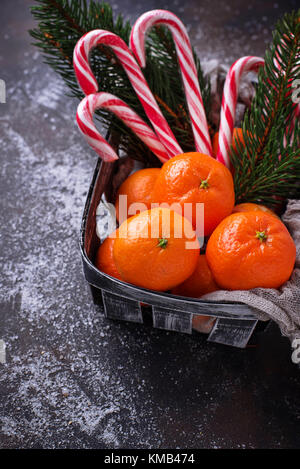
<point>229,100</point>
<point>84,118</point>
<point>89,84</point>
<point>187,67</point>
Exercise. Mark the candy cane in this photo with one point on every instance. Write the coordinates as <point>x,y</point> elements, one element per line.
<point>187,67</point>
<point>229,100</point>
<point>84,117</point>
<point>89,84</point>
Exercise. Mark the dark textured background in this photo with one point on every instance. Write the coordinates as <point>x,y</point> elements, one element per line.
<point>73,379</point>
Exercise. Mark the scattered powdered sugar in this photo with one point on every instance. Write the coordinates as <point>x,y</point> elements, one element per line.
<point>51,94</point>
<point>72,379</point>
<point>49,318</point>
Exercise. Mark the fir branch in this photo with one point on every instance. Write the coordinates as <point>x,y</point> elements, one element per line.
<point>267,167</point>
<point>61,23</point>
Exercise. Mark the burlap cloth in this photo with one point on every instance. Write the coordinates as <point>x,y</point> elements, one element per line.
<point>282,305</point>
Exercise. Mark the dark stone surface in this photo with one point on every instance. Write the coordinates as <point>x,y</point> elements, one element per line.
<point>73,379</point>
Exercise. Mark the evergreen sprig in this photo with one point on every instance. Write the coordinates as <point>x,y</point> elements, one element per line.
<point>61,23</point>
<point>267,167</point>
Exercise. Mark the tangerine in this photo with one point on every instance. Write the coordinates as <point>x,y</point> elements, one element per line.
<point>199,283</point>
<point>104,258</point>
<point>249,207</point>
<point>237,135</point>
<point>194,178</point>
<point>203,324</point>
<point>137,187</point>
<point>249,250</point>
<point>156,249</point>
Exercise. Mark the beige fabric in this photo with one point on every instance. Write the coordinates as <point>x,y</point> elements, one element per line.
<point>283,305</point>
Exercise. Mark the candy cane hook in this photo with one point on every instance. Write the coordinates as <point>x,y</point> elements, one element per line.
<point>229,100</point>
<point>89,84</point>
<point>84,118</point>
<point>187,67</point>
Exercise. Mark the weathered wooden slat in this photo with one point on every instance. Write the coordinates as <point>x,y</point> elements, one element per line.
<point>164,318</point>
<point>234,332</point>
<point>124,309</point>
<point>88,230</point>
<point>97,296</point>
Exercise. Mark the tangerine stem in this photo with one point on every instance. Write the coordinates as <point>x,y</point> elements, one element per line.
<point>261,235</point>
<point>204,185</point>
<point>162,243</point>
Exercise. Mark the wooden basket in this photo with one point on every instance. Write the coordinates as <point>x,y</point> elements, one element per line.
<point>234,322</point>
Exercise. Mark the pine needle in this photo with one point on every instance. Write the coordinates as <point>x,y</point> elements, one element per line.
<point>267,168</point>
